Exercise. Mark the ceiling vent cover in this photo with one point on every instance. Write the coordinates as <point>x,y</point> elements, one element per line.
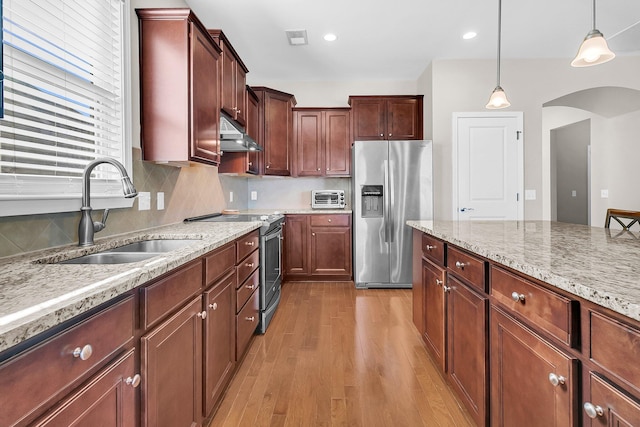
<point>297,37</point>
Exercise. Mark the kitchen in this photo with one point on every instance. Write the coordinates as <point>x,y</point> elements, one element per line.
<point>448,83</point>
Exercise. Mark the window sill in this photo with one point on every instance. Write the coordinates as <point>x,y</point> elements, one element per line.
<point>39,205</point>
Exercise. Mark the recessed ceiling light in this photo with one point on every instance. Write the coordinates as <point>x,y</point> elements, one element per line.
<point>470,35</point>
<point>330,37</point>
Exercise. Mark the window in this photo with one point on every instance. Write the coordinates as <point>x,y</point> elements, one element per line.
<point>64,103</point>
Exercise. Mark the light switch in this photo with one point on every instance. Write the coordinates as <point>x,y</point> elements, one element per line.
<point>160,201</point>
<point>144,201</point>
<point>230,196</point>
<point>604,194</point>
<point>254,195</point>
<point>574,193</point>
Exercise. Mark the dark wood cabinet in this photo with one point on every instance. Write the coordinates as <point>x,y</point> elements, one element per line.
<point>322,139</point>
<point>532,382</point>
<point>397,117</point>
<point>179,85</point>
<point>107,400</point>
<point>606,405</point>
<point>467,346</point>
<point>245,162</point>
<point>233,74</point>
<point>275,131</point>
<point>435,314</point>
<point>318,247</point>
<point>171,365</point>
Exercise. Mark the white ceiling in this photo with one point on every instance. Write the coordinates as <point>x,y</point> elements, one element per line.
<point>397,39</point>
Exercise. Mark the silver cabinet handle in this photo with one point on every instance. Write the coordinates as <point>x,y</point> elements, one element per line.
<point>329,220</point>
<point>318,169</point>
<point>389,134</point>
<point>238,111</point>
<point>249,243</point>
<point>313,234</point>
<point>556,380</point>
<point>250,287</point>
<point>592,410</point>
<point>249,264</point>
<point>439,282</point>
<point>250,164</point>
<point>250,319</point>
<point>83,353</point>
<point>429,247</point>
<point>202,314</point>
<point>381,134</point>
<point>268,166</point>
<point>460,264</point>
<point>133,381</point>
<point>447,288</point>
<point>327,169</point>
<point>213,306</point>
<point>517,297</point>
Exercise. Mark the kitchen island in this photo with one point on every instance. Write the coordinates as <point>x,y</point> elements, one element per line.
<point>554,306</point>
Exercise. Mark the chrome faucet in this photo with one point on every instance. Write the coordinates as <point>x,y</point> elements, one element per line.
<point>87,226</point>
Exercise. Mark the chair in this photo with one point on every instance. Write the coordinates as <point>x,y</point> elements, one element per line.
<point>630,217</point>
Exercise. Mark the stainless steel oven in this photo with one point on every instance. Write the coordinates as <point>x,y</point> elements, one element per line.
<point>270,259</point>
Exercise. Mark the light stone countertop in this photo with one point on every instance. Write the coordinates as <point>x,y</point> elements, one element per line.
<point>36,296</point>
<point>597,264</point>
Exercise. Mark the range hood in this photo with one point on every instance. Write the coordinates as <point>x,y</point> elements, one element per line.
<point>233,138</point>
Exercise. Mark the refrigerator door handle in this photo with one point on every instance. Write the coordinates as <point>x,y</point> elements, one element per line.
<point>387,203</point>
<point>392,201</point>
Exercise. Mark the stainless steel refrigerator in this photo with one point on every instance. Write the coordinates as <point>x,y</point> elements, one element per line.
<point>392,183</point>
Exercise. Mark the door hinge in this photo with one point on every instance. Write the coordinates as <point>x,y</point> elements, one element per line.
<point>518,132</point>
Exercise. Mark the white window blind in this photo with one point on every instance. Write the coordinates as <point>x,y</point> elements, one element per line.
<point>63,98</point>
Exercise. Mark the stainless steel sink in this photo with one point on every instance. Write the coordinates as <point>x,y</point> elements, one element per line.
<point>111,258</point>
<point>133,252</point>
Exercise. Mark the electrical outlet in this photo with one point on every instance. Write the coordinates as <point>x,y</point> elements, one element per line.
<point>574,193</point>
<point>254,195</point>
<point>230,196</point>
<point>604,194</point>
<point>529,194</point>
<point>160,201</point>
<point>144,201</point>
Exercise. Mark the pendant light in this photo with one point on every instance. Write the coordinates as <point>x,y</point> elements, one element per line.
<point>498,98</point>
<point>594,49</point>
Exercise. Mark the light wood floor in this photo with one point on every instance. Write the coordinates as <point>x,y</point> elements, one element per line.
<point>337,356</point>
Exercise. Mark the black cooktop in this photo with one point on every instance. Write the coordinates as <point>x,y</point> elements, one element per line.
<point>267,220</point>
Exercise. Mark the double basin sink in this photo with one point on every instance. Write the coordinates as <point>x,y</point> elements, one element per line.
<point>133,252</point>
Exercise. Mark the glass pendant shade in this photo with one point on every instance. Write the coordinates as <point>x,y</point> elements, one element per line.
<point>498,99</point>
<point>593,51</point>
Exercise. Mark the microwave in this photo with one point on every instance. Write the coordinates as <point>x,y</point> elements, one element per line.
<point>327,199</point>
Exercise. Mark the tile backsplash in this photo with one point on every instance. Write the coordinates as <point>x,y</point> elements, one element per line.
<point>188,191</point>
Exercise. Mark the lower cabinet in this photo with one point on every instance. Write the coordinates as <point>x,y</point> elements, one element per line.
<point>434,316</point>
<point>171,365</point>
<point>607,405</point>
<point>318,247</point>
<point>533,383</point>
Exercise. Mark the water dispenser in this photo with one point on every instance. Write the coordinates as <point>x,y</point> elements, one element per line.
<point>372,203</point>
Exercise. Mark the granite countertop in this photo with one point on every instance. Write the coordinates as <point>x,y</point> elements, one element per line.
<point>36,295</point>
<point>597,264</point>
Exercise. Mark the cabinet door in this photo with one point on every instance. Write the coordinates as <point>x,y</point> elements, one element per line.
<point>228,76</point>
<point>308,138</point>
<point>467,347</point>
<point>404,119</point>
<point>278,128</point>
<point>219,340</point>
<point>108,400</point>
<point>417,285</point>
<point>522,364</point>
<point>369,119</point>
<point>331,251</point>
<point>337,143</point>
<point>205,135</point>
<point>296,246</point>
<point>253,165</point>
<point>606,405</point>
<point>433,279</point>
<point>171,363</point>
<point>240,95</point>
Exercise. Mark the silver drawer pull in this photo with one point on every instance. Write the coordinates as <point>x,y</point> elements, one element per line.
<point>429,247</point>
<point>213,306</point>
<point>592,410</point>
<point>329,220</point>
<point>250,286</point>
<point>202,314</point>
<point>83,353</point>
<point>249,264</point>
<point>517,297</point>
<point>447,288</point>
<point>250,319</point>
<point>439,282</point>
<point>556,380</point>
<point>133,382</point>
<point>249,243</point>
<point>460,264</point>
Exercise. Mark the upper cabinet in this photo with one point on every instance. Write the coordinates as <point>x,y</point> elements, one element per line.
<point>275,130</point>
<point>247,162</point>
<point>179,85</point>
<point>396,117</point>
<point>322,141</point>
<point>233,99</point>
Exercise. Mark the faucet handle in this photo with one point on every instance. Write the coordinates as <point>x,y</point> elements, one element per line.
<point>98,226</point>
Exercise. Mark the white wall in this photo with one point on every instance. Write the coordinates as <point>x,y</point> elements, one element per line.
<point>465,86</point>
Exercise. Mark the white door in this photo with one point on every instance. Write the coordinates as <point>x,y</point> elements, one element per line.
<point>488,181</point>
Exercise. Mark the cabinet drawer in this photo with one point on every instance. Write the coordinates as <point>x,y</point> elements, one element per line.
<point>165,295</point>
<point>433,249</point>
<point>615,347</point>
<point>329,220</point>
<point>219,263</point>
<point>247,266</point>
<point>246,323</point>
<point>31,380</point>
<point>545,309</point>
<point>247,244</point>
<point>246,289</point>
<point>467,267</point>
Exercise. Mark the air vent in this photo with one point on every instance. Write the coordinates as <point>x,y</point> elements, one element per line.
<point>297,37</point>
